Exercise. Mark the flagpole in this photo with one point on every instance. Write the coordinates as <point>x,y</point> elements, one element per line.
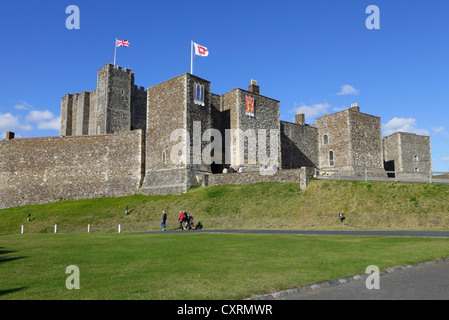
<point>115,52</point>
<point>191,57</point>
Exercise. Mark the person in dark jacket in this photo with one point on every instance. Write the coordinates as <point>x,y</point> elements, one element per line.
<point>164,220</point>
<point>187,220</point>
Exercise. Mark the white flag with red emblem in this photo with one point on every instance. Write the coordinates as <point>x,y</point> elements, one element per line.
<point>201,50</point>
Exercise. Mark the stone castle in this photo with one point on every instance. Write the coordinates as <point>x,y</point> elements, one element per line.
<point>121,139</point>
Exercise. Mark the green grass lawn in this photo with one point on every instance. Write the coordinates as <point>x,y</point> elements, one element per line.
<point>193,266</point>
<point>366,205</point>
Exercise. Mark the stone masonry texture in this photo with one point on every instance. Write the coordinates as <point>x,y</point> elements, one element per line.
<point>39,170</point>
<point>120,139</point>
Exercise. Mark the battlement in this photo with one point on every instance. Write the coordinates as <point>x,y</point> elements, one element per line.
<point>116,105</point>
<point>120,68</point>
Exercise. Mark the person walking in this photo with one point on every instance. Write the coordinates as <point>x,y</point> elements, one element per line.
<point>181,220</point>
<point>164,220</point>
<point>186,220</point>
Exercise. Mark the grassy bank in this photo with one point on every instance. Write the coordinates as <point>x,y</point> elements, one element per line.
<point>193,266</point>
<point>367,205</point>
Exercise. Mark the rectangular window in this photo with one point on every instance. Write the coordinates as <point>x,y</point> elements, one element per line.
<point>415,158</point>
<point>198,94</point>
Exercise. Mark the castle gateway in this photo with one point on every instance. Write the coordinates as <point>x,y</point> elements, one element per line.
<point>121,139</point>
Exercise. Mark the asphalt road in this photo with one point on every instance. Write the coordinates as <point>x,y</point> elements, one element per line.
<point>425,282</point>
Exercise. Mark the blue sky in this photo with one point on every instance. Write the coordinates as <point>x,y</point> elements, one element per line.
<point>317,56</point>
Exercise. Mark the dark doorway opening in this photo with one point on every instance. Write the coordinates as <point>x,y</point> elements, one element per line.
<point>389,166</point>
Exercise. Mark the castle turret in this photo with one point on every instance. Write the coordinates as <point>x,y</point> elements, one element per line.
<point>116,105</point>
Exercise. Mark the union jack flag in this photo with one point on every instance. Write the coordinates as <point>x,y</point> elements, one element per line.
<point>122,43</point>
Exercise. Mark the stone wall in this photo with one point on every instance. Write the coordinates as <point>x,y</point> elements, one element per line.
<point>119,91</point>
<point>264,125</point>
<point>198,123</point>
<point>299,145</point>
<point>366,140</point>
<point>66,115</point>
<point>94,124</point>
<point>40,170</point>
<point>164,171</point>
<point>354,139</point>
<point>336,128</point>
<point>139,108</point>
<point>410,153</point>
<point>81,114</point>
<point>220,120</point>
<point>301,175</point>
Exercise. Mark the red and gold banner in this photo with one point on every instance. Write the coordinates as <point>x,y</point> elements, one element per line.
<point>249,106</point>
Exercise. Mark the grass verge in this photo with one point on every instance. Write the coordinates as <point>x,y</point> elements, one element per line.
<point>366,205</point>
<point>193,266</point>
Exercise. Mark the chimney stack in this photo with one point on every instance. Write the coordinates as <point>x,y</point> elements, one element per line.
<point>355,107</point>
<point>300,118</point>
<point>253,87</point>
<point>9,135</point>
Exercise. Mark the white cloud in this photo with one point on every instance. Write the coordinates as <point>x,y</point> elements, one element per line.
<point>42,120</point>
<point>36,116</point>
<point>9,122</point>
<point>445,159</point>
<point>52,124</point>
<point>23,106</point>
<point>403,125</point>
<point>348,89</point>
<point>440,131</point>
<point>337,109</point>
<point>313,111</point>
<point>45,120</point>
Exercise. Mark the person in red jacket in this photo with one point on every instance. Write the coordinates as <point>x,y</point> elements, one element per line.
<point>187,220</point>
<point>181,220</point>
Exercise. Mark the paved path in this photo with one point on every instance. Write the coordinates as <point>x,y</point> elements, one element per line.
<point>424,282</point>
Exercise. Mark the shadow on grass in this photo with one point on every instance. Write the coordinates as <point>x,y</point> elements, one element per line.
<point>3,260</point>
<point>9,259</point>
<point>4,292</point>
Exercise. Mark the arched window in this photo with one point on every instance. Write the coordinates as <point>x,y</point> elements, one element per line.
<point>331,158</point>
<point>325,139</point>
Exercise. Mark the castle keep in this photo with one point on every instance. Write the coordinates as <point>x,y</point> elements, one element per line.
<point>121,139</point>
